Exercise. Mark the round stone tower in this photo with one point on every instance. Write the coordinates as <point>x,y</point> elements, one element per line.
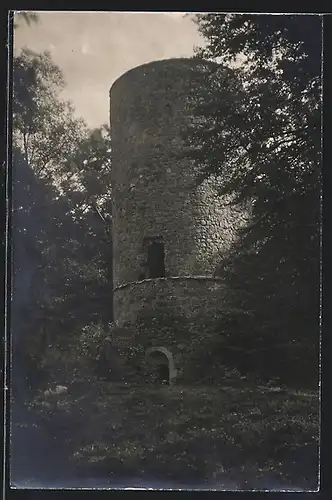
<point>169,235</point>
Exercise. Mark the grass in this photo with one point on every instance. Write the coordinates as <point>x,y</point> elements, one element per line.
<point>239,436</point>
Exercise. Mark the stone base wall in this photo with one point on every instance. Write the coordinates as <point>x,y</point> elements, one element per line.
<point>179,314</point>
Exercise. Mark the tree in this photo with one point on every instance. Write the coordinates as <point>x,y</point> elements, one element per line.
<point>257,129</point>
<point>44,126</point>
<point>28,17</point>
<point>67,228</point>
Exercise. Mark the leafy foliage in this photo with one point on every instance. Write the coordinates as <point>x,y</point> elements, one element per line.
<point>256,129</point>
<point>28,17</point>
<point>44,126</point>
<point>61,218</point>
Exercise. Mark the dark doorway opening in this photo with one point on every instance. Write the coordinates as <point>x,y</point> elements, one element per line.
<point>159,368</point>
<point>163,375</point>
<point>156,260</point>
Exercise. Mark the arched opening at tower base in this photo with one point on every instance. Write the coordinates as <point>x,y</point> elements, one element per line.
<point>160,366</point>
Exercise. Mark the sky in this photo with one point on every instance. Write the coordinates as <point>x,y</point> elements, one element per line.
<point>94,48</point>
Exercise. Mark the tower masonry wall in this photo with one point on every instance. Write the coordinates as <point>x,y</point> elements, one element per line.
<point>155,195</point>
<point>153,185</point>
<point>184,297</point>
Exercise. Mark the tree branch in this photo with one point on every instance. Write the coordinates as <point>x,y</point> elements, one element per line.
<point>105,221</point>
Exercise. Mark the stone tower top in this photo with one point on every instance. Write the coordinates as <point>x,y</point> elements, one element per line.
<point>162,225</point>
